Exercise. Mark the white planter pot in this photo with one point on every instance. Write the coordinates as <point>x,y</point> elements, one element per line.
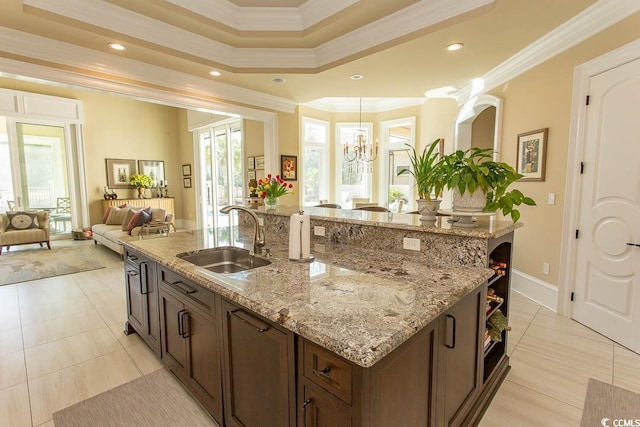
<point>469,202</point>
<point>428,209</point>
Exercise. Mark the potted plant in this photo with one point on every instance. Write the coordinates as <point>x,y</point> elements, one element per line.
<point>479,183</point>
<point>422,168</point>
<point>141,182</point>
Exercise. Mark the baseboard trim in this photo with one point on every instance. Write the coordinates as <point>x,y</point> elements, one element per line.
<point>185,223</point>
<point>533,288</point>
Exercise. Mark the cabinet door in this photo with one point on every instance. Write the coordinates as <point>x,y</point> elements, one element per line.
<point>174,343</point>
<point>319,411</point>
<point>256,371</point>
<point>150,302</point>
<point>204,359</point>
<point>460,358</point>
<point>135,299</point>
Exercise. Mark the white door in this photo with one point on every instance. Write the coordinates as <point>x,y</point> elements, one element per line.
<point>607,287</point>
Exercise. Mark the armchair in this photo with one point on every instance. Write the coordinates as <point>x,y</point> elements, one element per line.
<point>10,237</point>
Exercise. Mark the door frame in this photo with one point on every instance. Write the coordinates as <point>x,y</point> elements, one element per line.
<point>387,147</point>
<point>577,134</point>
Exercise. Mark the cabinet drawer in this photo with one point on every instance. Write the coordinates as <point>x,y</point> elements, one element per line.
<point>328,371</point>
<point>186,288</point>
<point>133,258</point>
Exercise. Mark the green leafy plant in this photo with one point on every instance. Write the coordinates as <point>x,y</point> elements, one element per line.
<point>422,167</point>
<point>395,194</point>
<point>139,180</point>
<point>474,168</point>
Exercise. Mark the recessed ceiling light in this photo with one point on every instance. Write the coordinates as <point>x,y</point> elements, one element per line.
<point>215,73</point>
<point>454,46</point>
<point>278,80</point>
<point>116,46</point>
<point>356,77</point>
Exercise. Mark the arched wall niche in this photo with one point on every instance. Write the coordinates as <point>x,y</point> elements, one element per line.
<point>468,113</point>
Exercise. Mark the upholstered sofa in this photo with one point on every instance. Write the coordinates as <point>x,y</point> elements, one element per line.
<point>117,225</point>
<point>26,227</point>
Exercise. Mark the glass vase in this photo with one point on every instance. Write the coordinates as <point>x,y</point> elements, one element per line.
<point>270,202</point>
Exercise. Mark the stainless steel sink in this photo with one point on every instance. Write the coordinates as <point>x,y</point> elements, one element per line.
<point>227,259</point>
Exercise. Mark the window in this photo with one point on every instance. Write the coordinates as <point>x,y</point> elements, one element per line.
<point>353,179</point>
<point>314,180</point>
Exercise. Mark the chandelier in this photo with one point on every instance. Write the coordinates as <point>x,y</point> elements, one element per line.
<point>358,153</point>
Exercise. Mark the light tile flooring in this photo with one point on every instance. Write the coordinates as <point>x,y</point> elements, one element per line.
<point>61,342</point>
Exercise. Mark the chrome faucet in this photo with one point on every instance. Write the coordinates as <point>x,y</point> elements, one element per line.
<point>258,234</point>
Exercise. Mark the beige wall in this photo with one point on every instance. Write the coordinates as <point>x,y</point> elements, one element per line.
<point>482,128</point>
<point>186,209</point>
<point>121,128</point>
<point>541,98</point>
<point>289,144</point>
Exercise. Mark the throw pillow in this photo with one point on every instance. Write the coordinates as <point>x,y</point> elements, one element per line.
<point>116,216</point>
<point>127,217</point>
<point>106,213</point>
<point>141,217</point>
<point>158,214</point>
<point>22,220</point>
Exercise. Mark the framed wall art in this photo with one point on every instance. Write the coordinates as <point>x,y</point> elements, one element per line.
<point>251,162</point>
<point>532,153</point>
<point>289,167</point>
<point>260,162</point>
<point>186,182</point>
<point>186,170</point>
<point>153,169</point>
<point>251,175</point>
<point>119,171</point>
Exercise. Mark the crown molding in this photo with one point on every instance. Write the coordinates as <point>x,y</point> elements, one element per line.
<point>589,22</point>
<point>113,69</point>
<point>369,105</point>
<point>418,16</point>
<point>265,18</point>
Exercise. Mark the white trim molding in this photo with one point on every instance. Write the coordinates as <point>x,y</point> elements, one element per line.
<point>535,289</point>
<point>577,136</point>
<point>590,21</point>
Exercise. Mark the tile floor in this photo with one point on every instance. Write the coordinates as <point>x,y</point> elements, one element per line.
<point>61,342</point>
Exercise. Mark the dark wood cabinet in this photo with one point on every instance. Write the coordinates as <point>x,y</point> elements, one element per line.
<point>142,298</point>
<point>459,358</point>
<point>258,371</point>
<point>190,339</point>
<point>317,410</point>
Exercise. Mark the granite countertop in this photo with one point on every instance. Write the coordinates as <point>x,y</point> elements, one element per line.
<point>358,303</point>
<point>488,227</point>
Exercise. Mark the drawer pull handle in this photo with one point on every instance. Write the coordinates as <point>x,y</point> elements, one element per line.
<point>132,257</point>
<point>184,317</point>
<point>180,333</point>
<point>249,320</point>
<point>453,334</point>
<point>324,374</point>
<point>144,288</point>
<point>132,273</point>
<point>184,288</point>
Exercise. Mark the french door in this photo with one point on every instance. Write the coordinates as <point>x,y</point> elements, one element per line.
<point>34,170</point>
<point>221,174</point>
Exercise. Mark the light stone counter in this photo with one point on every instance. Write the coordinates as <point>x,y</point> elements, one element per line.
<point>359,303</point>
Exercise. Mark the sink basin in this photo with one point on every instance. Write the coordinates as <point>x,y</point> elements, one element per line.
<point>227,259</point>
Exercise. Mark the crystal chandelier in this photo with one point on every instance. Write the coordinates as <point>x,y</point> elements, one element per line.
<point>359,154</point>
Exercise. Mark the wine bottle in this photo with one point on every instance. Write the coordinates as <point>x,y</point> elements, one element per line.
<point>498,264</point>
<point>499,271</point>
<point>494,298</point>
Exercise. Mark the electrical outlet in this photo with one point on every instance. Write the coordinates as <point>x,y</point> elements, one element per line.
<point>261,222</point>
<point>411,244</point>
<point>318,231</point>
<point>551,198</point>
<point>545,268</point>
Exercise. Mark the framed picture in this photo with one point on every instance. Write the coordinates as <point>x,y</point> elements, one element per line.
<point>119,171</point>
<point>186,170</point>
<point>260,162</point>
<point>289,168</point>
<point>153,169</point>
<point>251,162</point>
<point>532,153</point>
<point>186,182</point>
<point>251,175</point>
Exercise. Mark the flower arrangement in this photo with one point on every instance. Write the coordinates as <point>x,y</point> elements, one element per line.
<point>139,180</point>
<point>272,187</point>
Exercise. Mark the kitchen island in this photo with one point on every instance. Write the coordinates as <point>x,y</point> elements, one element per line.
<point>361,336</point>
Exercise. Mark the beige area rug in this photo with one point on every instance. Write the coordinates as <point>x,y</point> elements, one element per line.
<point>607,405</point>
<point>38,263</point>
<point>154,400</point>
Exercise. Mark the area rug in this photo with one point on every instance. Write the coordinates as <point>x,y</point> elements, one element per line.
<point>156,399</point>
<point>607,405</point>
<point>32,264</point>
